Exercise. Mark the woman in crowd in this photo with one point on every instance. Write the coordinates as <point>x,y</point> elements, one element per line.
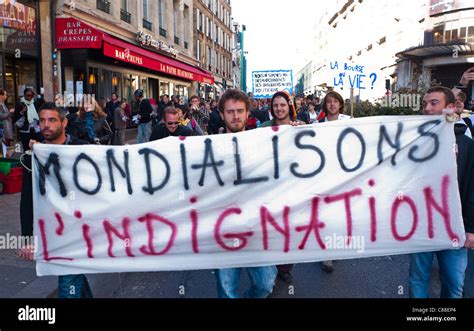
<point>186,119</point>
<point>26,119</point>
<point>92,123</point>
<point>120,123</point>
<point>5,120</point>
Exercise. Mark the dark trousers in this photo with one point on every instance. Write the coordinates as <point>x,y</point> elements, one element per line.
<point>285,267</point>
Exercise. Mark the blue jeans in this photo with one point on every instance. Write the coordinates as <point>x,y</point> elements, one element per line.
<point>144,132</point>
<point>262,280</point>
<point>452,269</point>
<point>73,287</point>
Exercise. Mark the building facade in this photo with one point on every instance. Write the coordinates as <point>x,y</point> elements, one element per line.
<point>120,46</point>
<point>21,24</point>
<point>213,37</point>
<point>447,47</point>
<point>304,80</point>
<point>237,57</point>
<point>368,33</point>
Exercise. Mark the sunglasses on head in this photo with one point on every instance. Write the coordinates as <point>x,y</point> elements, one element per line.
<point>173,123</point>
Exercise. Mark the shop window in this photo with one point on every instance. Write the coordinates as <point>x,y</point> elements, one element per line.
<point>470,34</point>
<point>93,80</point>
<point>438,34</point>
<point>164,88</point>
<point>462,34</point>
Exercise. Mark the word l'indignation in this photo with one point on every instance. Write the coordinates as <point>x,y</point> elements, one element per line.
<point>120,233</point>
<point>304,142</point>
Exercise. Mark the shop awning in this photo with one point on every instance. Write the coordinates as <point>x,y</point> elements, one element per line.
<point>126,52</point>
<point>72,33</point>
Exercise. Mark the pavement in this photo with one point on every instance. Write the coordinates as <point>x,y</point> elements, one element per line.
<point>377,277</point>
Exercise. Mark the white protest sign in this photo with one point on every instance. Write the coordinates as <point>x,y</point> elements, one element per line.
<point>345,74</point>
<point>337,190</point>
<point>267,83</point>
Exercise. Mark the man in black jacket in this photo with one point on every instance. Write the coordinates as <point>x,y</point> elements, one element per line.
<point>53,124</point>
<point>170,126</point>
<point>144,117</point>
<point>452,262</point>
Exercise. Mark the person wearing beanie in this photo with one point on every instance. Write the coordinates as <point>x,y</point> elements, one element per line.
<point>284,113</point>
<point>282,110</point>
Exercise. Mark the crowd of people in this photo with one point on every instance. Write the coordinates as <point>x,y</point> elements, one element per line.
<point>234,112</point>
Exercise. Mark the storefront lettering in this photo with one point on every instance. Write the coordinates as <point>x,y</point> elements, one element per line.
<point>126,56</point>
<point>75,34</point>
<point>147,40</point>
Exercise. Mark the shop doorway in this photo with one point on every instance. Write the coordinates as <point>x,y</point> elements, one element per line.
<point>153,89</point>
<point>19,74</point>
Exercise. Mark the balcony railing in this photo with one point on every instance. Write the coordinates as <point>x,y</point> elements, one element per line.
<point>125,16</point>
<point>176,40</point>
<point>103,5</point>
<point>162,32</point>
<point>147,25</point>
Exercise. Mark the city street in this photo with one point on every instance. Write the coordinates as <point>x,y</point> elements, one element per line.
<point>378,277</point>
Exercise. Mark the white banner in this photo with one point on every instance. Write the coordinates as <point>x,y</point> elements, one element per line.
<point>337,190</point>
<point>267,83</point>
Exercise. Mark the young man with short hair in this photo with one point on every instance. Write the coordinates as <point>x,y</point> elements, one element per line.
<point>52,122</point>
<point>452,262</point>
<point>234,107</point>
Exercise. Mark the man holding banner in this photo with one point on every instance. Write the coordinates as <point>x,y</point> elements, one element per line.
<point>53,124</point>
<point>234,107</point>
<point>452,262</point>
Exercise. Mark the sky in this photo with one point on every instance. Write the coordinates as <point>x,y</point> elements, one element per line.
<point>279,33</point>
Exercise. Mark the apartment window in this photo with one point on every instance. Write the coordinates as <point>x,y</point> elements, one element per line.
<point>186,26</point>
<point>124,14</point>
<point>198,50</point>
<point>104,6</point>
<point>198,20</point>
<point>208,57</point>
<point>145,9</point>
<point>162,17</point>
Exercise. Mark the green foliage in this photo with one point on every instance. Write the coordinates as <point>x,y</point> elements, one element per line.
<point>366,108</point>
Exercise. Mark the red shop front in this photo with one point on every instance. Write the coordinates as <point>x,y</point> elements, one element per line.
<point>97,63</point>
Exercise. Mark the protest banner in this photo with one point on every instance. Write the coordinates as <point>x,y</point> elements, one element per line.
<point>337,190</point>
<point>267,83</point>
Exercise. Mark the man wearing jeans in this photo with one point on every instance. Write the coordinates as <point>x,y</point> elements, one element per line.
<point>234,110</point>
<point>452,262</point>
<point>144,117</point>
<point>52,122</point>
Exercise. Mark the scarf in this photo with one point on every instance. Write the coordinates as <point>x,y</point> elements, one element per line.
<point>32,114</point>
<point>184,122</point>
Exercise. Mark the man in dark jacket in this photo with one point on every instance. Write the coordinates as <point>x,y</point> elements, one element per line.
<point>110,107</point>
<point>53,124</point>
<point>452,262</point>
<point>144,117</point>
<point>215,120</point>
<point>170,126</point>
